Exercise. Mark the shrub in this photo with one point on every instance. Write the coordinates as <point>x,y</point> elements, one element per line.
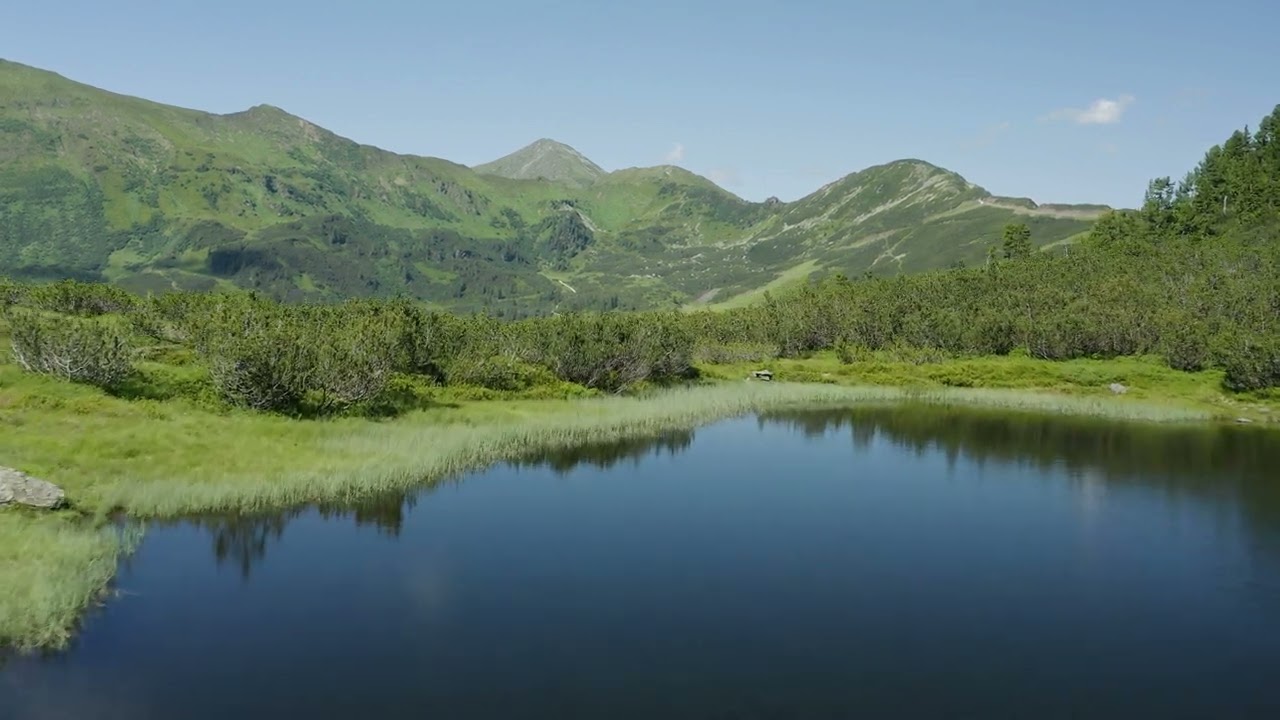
<point>1251,363</point>
<point>170,317</point>
<point>95,352</point>
<point>498,373</point>
<point>308,360</point>
<point>850,353</point>
<point>70,297</point>
<point>610,352</point>
<point>1184,343</point>
<point>10,292</point>
<point>736,352</point>
<point>401,394</point>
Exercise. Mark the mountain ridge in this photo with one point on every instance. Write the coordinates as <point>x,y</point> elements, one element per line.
<point>99,185</point>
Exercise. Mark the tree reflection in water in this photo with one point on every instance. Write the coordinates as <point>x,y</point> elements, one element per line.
<point>242,540</point>
<point>1236,466</point>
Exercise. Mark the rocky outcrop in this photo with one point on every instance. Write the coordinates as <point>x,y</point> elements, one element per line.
<point>19,488</point>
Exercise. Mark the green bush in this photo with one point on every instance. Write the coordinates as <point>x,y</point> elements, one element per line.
<point>1184,342</point>
<point>94,352</point>
<point>170,317</point>
<point>850,353</point>
<point>498,372</point>
<point>10,292</point>
<point>401,394</point>
<point>611,351</point>
<point>1251,363</point>
<point>70,297</point>
<point>301,359</point>
<point>731,353</point>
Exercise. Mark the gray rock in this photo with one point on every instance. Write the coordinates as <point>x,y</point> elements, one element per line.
<point>1119,389</point>
<point>20,488</point>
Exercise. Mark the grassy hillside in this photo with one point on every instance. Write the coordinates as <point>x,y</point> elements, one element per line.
<point>95,185</point>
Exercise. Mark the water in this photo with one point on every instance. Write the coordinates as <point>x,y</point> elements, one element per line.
<point>906,563</point>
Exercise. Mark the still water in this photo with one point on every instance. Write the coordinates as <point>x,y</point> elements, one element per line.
<point>886,563</point>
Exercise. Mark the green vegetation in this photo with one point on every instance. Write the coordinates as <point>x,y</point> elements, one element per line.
<point>53,567</point>
<point>208,418</point>
<point>98,186</point>
<point>1193,281</point>
<point>222,399</point>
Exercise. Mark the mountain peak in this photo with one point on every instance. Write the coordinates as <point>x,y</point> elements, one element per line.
<point>547,159</point>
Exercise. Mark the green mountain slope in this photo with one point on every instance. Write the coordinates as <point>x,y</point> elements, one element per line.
<point>98,185</point>
<point>545,160</point>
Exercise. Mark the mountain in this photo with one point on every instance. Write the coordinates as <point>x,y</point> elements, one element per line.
<point>96,185</point>
<point>545,160</point>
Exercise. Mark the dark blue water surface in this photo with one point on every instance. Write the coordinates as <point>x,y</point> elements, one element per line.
<point>889,563</point>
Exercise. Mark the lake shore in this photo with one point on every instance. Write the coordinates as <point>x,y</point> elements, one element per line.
<point>143,459</point>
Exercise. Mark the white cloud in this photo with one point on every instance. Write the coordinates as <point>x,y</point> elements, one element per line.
<point>1102,111</point>
<point>724,176</point>
<point>676,154</point>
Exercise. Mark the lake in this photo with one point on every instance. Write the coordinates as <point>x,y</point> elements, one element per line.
<point>872,563</point>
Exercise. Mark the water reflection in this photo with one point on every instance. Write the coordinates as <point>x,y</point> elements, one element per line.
<point>1202,457</point>
<point>1225,463</point>
<point>242,540</point>
<point>1235,468</point>
<point>608,454</point>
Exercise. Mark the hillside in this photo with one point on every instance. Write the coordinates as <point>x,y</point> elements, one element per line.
<point>96,185</point>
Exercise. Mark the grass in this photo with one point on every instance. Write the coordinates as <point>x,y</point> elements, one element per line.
<point>174,454</point>
<point>53,567</point>
<point>787,278</point>
<point>1148,380</point>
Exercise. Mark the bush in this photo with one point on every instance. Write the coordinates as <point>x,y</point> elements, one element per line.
<point>498,373</point>
<point>169,317</point>
<point>731,353</point>
<point>610,352</point>
<point>850,353</point>
<point>10,292</point>
<point>94,352</point>
<point>1251,363</point>
<point>1184,343</point>
<point>306,360</point>
<point>70,297</point>
<point>401,394</point>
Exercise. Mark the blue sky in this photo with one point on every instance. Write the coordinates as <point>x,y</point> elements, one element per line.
<point>1063,102</point>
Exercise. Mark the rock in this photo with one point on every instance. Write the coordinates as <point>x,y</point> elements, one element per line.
<point>20,488</point>
<point>1119,389</point>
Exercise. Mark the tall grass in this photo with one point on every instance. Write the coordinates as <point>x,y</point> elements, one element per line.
<point>51,568</point>
<point>350,461</point>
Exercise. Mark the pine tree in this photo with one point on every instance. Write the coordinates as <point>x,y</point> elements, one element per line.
<point>1017,241</point>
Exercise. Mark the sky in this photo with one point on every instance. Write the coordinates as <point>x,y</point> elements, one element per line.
<point>1080,101</point>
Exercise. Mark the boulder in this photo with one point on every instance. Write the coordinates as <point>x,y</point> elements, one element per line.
<point>19,488</point>
<point>1119,389</point>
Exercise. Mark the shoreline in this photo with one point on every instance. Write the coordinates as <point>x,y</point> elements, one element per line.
<point>59,564</point>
